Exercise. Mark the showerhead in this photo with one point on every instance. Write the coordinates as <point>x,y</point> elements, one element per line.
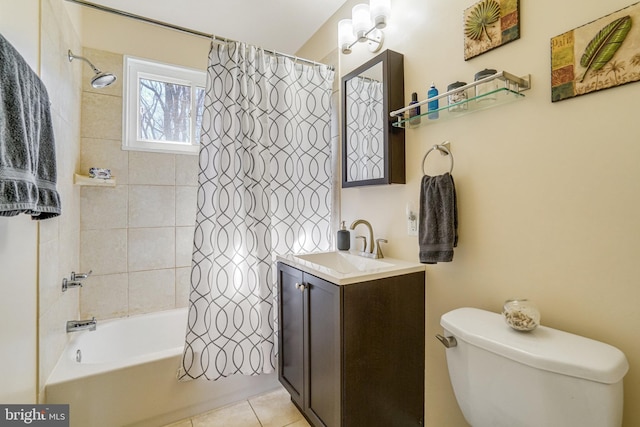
<point>100,79</point>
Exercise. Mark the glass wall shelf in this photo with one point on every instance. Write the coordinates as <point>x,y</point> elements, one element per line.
<point>507,92</point>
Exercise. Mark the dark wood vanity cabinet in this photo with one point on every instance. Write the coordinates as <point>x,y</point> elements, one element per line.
<point>353,355</point>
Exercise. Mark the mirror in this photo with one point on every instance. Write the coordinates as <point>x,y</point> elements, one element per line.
<point>372,149</point>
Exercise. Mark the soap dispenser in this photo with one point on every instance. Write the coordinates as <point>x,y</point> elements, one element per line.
<point>344,238</point>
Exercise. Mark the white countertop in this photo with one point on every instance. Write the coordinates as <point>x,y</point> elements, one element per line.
<point>385,267</point>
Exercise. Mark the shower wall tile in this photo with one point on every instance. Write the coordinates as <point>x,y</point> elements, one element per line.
<point>49,274</point>
<point>107,62</point>
<point>69,239</point>
<point>184,246</point>
<point>53,334</point>
<point>137,236</point>
<point>105,296</point>
<point>103,207</point>
<point>151,248</point>
<point>101,116</point>
<point>152,206</point>
<point>186,170</point>
<point>59,238</point>
<point>183,286</point>
<point>152,168</point>
<point>105,153</point>
<point>151,291</point>
<point>186,205</point>
<point>103,251</point>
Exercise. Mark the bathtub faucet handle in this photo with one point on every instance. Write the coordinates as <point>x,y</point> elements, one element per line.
<point>74,280</point>
<point>79,276</point>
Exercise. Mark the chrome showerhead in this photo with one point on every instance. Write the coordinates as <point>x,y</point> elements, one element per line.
<point>100,79</point>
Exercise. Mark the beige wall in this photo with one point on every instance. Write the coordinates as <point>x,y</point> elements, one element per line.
<point>126,36</point>
<point>136,237</point>
<point>549,193</point>
<point>19,244</point>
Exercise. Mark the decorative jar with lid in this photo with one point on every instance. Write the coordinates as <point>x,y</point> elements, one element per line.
<point>486,88</point>
<point>521,314</point>
<point>457,97</point>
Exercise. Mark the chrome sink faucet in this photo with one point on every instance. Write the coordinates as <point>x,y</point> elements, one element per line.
<point>357,222</point>
<point>369,254</point>
<point>82,325</point>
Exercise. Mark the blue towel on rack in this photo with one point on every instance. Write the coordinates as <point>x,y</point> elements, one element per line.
<point>438,220</point>
<point>27,147</point>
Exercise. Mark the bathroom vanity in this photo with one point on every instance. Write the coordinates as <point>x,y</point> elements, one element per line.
<point>351,348</point>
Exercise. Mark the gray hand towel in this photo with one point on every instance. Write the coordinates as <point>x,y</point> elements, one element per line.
<point>27,147</point>
<point>438,222</point>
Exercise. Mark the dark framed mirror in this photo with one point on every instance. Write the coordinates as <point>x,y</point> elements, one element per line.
<point>373,151</point>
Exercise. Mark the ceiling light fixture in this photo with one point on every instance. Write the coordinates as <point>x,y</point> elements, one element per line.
<point>365,25</point>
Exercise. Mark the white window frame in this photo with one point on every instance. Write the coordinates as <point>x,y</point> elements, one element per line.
<point>134,70</point>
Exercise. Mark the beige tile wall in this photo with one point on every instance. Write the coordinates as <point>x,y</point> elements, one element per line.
<point>137,236</point>
<point>59,237</point>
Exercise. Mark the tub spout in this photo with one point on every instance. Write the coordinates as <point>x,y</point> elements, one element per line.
<point>82,325</point>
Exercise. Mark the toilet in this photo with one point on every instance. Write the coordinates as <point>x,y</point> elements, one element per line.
<point>543,378</point>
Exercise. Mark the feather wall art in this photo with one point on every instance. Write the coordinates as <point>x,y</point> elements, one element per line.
<point>602,54</point>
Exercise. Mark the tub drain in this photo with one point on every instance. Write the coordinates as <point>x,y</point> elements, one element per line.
<point>78,356</point>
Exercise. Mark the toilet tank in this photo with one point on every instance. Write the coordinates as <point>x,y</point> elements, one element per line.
<point>546,377</point>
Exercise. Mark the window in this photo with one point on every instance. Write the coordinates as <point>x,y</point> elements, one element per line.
<point>163,107</point>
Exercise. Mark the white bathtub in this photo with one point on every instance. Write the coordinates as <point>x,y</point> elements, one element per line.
<point>127,375</point>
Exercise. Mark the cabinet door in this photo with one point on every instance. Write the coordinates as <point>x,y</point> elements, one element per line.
<point>291,327</point>
<point>322,394</point>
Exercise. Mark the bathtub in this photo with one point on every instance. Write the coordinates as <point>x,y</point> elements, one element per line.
<point>124,374</point>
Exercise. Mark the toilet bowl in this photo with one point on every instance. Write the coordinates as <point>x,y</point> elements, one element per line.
<point>546,377</point>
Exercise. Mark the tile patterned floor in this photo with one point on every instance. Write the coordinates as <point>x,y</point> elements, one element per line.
<point>273,409</point>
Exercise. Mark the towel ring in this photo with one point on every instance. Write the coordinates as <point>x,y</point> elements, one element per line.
<point>443,150</point>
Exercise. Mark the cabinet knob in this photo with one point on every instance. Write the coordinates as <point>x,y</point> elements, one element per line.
<point>300,286</point>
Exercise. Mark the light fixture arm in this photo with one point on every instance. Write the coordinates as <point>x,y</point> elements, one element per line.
<point>72,57</point>
<point>374,41</point>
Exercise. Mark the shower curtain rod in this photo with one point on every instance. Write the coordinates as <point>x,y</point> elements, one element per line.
<point>185,30</point>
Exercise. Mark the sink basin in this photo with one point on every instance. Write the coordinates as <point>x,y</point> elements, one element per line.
<point>343,268</point>
<point>344,262</point>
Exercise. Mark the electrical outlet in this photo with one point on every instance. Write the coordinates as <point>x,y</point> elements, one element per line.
<point>412,225</point>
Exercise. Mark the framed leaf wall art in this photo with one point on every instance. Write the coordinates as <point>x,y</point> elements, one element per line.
<point>489,24</point>
<point>599,55</point>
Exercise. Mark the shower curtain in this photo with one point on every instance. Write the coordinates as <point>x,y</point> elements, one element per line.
<point>264,189</point>
<point>365,129</point>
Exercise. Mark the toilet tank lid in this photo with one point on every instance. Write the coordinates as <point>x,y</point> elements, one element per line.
<point>543,348</point>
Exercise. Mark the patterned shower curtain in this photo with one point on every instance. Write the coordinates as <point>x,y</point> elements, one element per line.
<point>264,189</point>
<point>365,127</point>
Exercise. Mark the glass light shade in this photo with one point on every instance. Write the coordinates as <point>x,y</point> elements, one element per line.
<point>380,12</point>
<point>361,21</point>
<point>345,35</point>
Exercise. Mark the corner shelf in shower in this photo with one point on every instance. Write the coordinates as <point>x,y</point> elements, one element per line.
<point>95,182</point>
<point>509,92</point>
